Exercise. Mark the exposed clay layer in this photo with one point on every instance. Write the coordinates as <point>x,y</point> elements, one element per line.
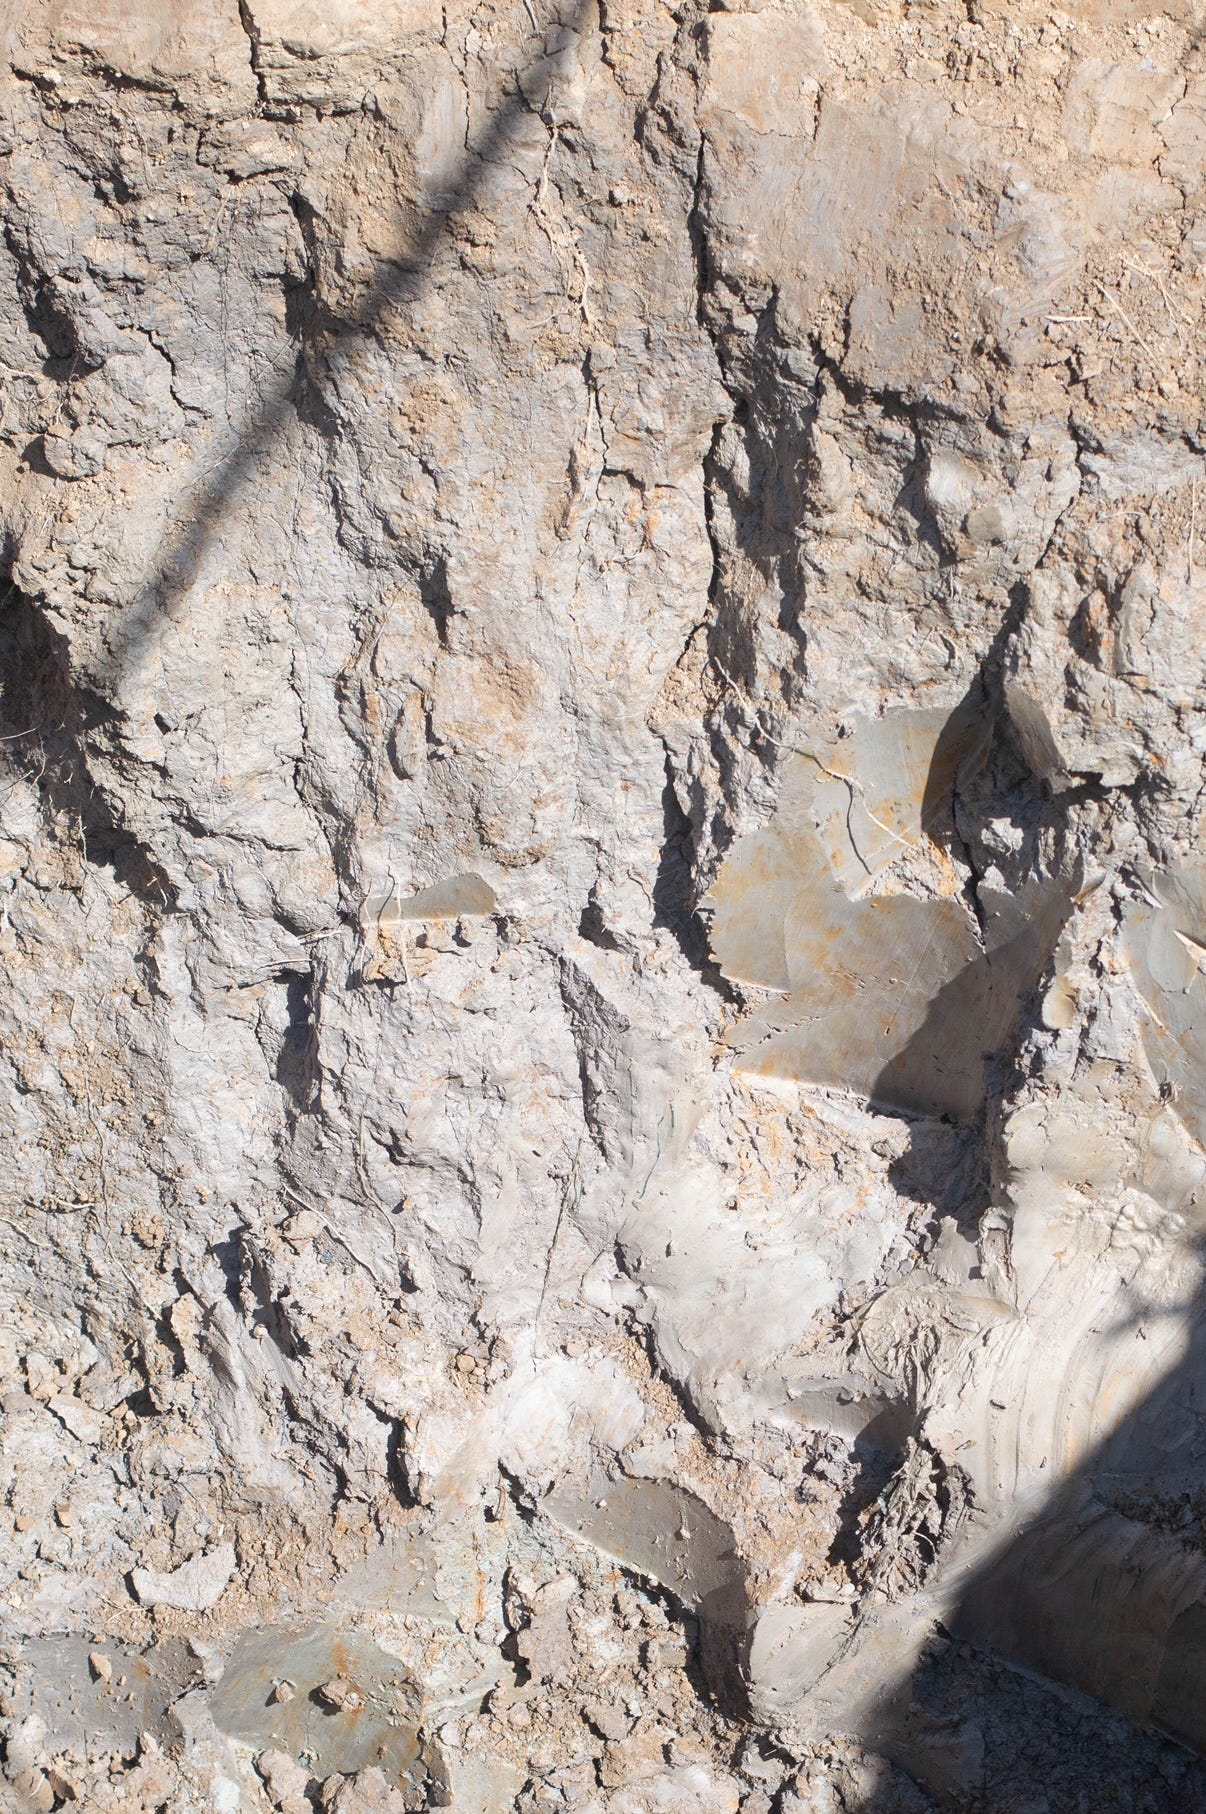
<point>601,906</point>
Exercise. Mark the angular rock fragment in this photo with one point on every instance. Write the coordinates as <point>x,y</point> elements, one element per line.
<point>95,1699</point>
<point>1166,945</point>
<point>285,1779</point>
<point>353,1706</point>
<point>897,995</point>
<point>367,1792</point>
<point>457,897</point>
<point>193,1587</point>
<point>340,1696</point>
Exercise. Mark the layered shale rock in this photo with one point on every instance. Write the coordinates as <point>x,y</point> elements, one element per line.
<point>602,906</point>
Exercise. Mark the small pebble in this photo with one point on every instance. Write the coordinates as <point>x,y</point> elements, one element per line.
<point>35,1792</point>
<point>339,1696</point>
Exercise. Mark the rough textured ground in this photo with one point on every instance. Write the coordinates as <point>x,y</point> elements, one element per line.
<point>602,1016</point>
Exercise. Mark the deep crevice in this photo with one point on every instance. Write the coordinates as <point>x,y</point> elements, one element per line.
<point>50,726</point>
<point>674,892</point>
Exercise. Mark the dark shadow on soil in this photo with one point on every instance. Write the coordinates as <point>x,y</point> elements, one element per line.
<point>46,723</point>
<point>1070,1677</point>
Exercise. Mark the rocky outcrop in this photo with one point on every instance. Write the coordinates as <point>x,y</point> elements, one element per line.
<point>602,904</point>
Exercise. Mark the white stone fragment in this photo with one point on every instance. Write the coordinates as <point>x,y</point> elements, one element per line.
<point>195,1586</point>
